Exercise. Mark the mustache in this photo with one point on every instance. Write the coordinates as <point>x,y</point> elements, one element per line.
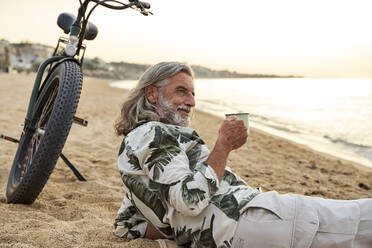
<point>184,108</point>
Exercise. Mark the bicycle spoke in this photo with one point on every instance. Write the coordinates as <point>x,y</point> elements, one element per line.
<point>35,141</point>
<point>30,152</point>
<point>48,108</point>
<point>22,167</point>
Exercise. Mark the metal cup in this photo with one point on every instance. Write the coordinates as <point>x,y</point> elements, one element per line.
<point>241,116</point>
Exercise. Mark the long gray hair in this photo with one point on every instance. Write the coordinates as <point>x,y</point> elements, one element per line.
<point>137,109</point>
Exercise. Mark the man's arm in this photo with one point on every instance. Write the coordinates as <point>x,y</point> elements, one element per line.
<point>232,135</point>
<point>167,165</point>
<point>129,223</point>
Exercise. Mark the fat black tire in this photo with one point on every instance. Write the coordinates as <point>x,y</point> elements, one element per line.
<point>37,154</point>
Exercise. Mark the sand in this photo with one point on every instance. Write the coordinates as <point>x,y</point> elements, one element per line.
<point>69,213</point>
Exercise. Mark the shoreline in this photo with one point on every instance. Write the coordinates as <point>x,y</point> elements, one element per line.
<point>278,135</point>
<point>322,146</point>
<point>70,213</point>
<point>316,147</point>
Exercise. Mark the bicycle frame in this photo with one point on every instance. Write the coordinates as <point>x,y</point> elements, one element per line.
<point>37,83</point>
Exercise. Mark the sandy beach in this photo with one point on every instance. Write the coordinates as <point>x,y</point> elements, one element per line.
<point>69,213</point>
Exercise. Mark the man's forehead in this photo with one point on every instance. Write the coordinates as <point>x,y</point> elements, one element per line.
<point>181,80</point>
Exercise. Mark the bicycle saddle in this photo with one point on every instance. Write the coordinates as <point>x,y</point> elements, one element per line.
<point>65,20</point>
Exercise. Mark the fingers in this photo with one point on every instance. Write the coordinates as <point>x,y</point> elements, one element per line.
<point>231,118</point>
<point>240,141</point>
<point>233,132</point>
<point>234,125</point>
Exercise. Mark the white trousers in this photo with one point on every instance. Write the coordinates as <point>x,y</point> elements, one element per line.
<point>272,220</point>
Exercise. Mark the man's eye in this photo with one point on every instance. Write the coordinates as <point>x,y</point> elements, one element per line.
<point>182,92</point>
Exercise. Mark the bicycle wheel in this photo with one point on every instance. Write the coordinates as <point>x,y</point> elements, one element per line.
<point>41,144</point>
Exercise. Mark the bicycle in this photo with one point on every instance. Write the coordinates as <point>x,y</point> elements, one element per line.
<point>53,103</point>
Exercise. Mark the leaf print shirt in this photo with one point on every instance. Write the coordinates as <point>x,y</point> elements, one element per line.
<point>169,184</point>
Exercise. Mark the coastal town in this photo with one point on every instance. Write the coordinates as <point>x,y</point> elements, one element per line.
<point>25,57</point>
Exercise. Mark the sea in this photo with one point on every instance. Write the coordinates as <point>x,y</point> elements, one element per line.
<point>331,115</point>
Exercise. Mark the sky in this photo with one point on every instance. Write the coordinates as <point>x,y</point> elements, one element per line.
<point>317,38</point>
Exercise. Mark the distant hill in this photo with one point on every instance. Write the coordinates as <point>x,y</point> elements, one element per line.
<point>204,72</point>
<point>26,56</point>
<point>123,70</point>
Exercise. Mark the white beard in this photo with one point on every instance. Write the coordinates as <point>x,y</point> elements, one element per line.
<point>169,113</point>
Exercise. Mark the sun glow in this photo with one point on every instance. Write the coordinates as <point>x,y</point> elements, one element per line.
<point>310,38</point>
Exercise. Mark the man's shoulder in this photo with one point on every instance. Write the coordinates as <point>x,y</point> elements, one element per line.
<point>152,125</point>
<point>146,128</point>
<point>155,128</point>
<point>141,136</point>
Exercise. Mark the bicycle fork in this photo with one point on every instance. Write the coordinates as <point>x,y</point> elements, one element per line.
<point>40,132</point>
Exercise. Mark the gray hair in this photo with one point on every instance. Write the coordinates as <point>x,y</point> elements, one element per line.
<point>137,109</point>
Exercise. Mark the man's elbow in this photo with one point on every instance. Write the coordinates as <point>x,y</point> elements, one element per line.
<point>123,232</point>
<point>120,231</point>
<point>190,210</point>
<point>186,207</point>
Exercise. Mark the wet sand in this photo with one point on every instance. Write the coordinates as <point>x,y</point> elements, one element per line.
<point>69,213</point>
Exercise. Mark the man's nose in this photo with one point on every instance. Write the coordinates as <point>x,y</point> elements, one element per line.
<point>190,100</point>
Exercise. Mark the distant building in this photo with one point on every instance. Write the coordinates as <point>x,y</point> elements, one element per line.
<point>4,55</point>
<point>26,56</point>
<point>22,56</point>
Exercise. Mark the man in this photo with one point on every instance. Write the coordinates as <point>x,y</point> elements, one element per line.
<point>176,188</point>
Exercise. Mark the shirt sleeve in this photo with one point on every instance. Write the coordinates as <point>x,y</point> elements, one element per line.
<point>187,188</point>
<point>129,222</point>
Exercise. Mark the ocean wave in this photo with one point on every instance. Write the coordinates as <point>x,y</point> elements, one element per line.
<point>345,142</point>
<point>284,127</point>
<point>362,150</point>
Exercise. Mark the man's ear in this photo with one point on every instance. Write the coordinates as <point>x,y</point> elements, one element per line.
<point>152,93</point>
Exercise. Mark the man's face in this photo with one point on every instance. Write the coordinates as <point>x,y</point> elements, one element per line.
<point>176,100</point>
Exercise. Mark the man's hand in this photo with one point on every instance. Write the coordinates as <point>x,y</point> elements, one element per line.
<point>232,135</point>
<point>153,233</point>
